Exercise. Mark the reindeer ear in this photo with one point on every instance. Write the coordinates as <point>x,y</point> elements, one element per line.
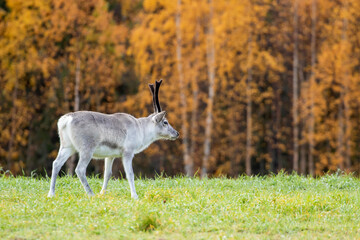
<point>159,116</point>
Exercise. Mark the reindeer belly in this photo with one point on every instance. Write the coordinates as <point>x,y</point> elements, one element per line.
<point>106,149</point>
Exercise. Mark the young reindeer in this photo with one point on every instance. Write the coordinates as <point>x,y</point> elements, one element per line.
<point>97,135</point>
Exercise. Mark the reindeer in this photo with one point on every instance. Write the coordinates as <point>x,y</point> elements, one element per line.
<point>97,136</point>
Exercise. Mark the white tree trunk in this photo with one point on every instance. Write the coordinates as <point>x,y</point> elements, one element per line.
<point>210,56</point>
<point>311,89</point>
<point>347,126</point>
<point>188,163</point>
<point>249,110</point>
<point>195,92</point>
<point>70,164</point>
<point>295,91</point>
<point>12,124</point>
<point>340,140</point>
<point>302,121</point>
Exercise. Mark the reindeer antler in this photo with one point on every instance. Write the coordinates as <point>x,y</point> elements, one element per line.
<point>157,87</point>
<point>152,90</point>
<point>155,94</point>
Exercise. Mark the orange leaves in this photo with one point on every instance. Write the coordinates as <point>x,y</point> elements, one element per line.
<point>153,5</point>
<point>41,41</point>
<point>150,5</point>
<point>122,45</point>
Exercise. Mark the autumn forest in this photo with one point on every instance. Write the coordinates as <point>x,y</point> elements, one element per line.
<point>253,87</point>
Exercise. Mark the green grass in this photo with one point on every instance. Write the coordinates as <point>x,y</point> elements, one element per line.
<point>273,207</point>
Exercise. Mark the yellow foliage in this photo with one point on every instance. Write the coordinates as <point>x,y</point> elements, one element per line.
<point>123,45</point>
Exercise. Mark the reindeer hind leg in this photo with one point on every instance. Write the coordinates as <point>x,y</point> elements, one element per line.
<point>107,173</point>
<point>63,155</point>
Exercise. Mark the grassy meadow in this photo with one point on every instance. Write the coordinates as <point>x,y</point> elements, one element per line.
<point>271,207</point>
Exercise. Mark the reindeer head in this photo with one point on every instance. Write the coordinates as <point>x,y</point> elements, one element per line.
<point>163,128</point>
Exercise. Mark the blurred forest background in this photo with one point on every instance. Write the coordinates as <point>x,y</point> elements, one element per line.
<point>253,86</point>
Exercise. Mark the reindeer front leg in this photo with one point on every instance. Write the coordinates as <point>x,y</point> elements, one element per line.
<point>127,162</point>
<point>80,170</point>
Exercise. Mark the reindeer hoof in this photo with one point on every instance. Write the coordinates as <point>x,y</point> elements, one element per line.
<point>135,197</point>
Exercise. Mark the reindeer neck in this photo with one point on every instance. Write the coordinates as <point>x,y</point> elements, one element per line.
<point>149,133</point>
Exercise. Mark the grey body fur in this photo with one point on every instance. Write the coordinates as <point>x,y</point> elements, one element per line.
<point>107,136</point>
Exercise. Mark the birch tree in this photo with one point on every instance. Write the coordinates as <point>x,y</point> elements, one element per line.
<point>295,90</point>
<point>312,86</point>
<point>210,58</point>
<point>188,162</point>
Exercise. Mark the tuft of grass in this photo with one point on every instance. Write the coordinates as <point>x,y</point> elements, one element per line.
<point>147,223</point>
<point>270,207</point>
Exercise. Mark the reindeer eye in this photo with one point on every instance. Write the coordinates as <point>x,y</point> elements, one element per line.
<point>165,123</point>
